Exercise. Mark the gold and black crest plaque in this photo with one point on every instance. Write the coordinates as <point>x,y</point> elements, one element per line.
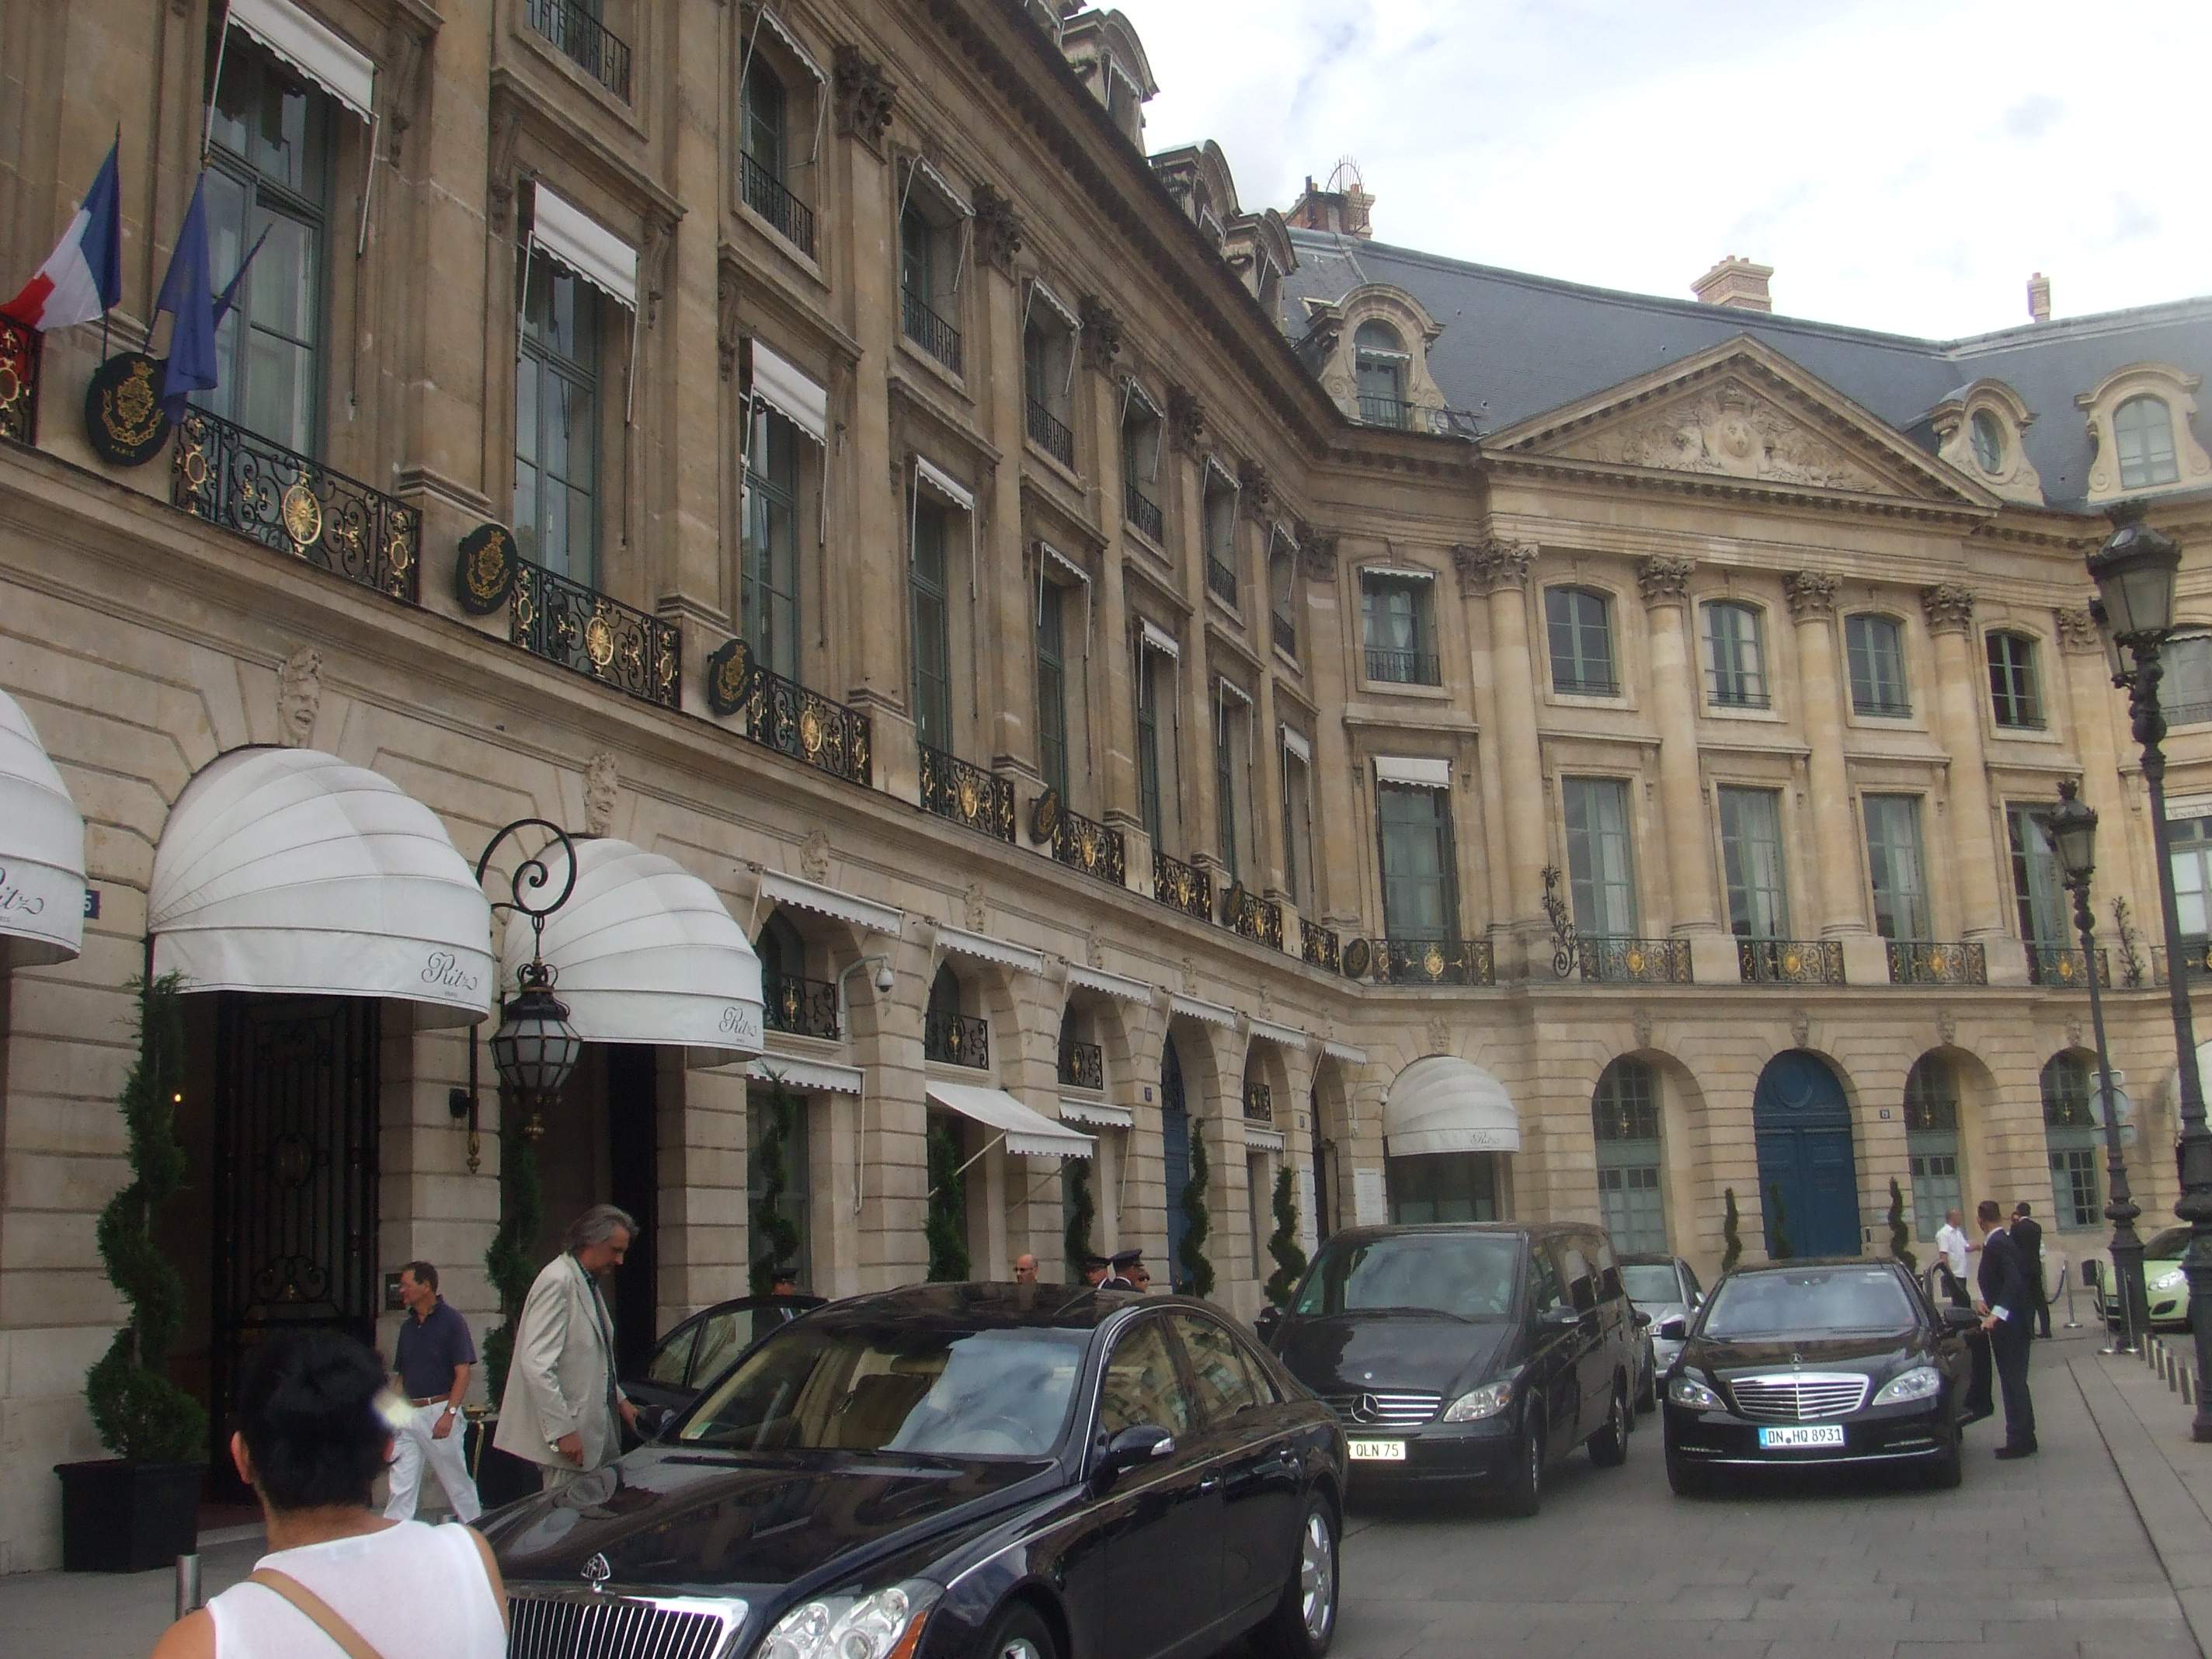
<point>483,571</point>
<point>122,415</point>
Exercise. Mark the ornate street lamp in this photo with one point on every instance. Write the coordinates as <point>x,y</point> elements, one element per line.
<point>2135,572</point>
<point>2071,828</point>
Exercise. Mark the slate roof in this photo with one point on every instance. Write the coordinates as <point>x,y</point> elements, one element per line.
<point>1516,345</point>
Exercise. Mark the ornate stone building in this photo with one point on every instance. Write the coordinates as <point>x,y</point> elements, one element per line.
<point>1489,746</point>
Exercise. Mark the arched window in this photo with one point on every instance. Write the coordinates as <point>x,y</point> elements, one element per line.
<point>2142,430</point>
<point>1082,1061</point>
<point>1735,656</point>
<point>2071,1131</point>
<point>1931,1142</point>
<point>1578,622</point>
<point>1630,1182</point>
<point>1379,361</point>
<point>948,1034</point>
<point>1987,434</point>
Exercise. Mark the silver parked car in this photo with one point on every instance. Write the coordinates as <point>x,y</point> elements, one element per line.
<point>1666,1288</point>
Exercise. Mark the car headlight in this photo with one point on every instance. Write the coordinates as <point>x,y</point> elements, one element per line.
<point>874,1626</point>
<point>1921,1382</point>
<point>1688,1391</point>
<point>2172,1279</point>
<point>1476,1404</point>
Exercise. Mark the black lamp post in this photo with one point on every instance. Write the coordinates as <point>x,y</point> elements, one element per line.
<point>2072,829</point>
<point>2135,572</point>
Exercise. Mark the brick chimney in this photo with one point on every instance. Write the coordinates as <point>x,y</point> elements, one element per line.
<point>1343,212</point>
<point>2039,298</point>
<point>1736,283</point>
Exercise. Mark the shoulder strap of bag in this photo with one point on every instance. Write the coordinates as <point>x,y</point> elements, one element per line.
<point>325,1617</point>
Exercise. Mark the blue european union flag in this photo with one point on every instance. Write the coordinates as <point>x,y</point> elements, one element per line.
<point>188,295</point>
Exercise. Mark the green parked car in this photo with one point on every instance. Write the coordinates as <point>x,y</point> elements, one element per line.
<point>2165,1286</point>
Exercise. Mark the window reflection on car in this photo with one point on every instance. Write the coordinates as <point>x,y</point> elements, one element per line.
<point>1464,1276</point>
<point>1141,1386</point>
<point>988,1393</point>
<point>1815,1301</point>
<point>1651,1281</point>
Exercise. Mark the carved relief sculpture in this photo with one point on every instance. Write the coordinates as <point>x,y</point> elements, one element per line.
<point>1438,1034</point>
<point>1641,1023</point>
<point>1258,488</point>
<point>814,855</point>
<point>1665,582</point>
<point>1489,564</point>
<point>1102,332</point>
<point>864,96</point>
<point>1730,431</point>
<point>1949,607</point>
<point>1811,595</point>
<point>1946,1027</point>
<point>1317,556</point>
<point>974,915</point>
<point>729,330</point>
<point>997,229</point>
<point>1186,420</point>
<point>1800,1028</point>
<point>602,788</point>
<point>299,696</point>
<point>2077,630</point>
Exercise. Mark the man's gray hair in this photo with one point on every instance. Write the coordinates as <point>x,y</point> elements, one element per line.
<point>599,1223</point>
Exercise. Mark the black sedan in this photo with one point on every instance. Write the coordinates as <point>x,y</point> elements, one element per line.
<point>1021,1471</point>
<point>1817,1361</point>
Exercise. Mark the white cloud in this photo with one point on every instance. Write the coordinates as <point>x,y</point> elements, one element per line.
<point>1903,166</point>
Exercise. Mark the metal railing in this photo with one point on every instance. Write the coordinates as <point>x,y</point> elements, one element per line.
<point>957,1040</point>
<point>2195,964</point>
<point>1142,511</point>
<point>1585,686</point>
<point>1051,434</point>
<point>1914,962</point>
<point>1404,667</point>
<point>1399,415</point>
<point>2187,713</point>
<point>1285,634</point>
<point>1083,1065</point>
<point>1735,697</point>
<point>1790,961</point>
<point>765,194</point>
<point>782,714</point>
<point>1250,916</point>
<point>1319,947</point>
<point>1221,580</point>
<point>233,477</point>
<point>1085,844</point>
<point>1259,1104</point>
<point>20,351</point>
<point>1882,707</point>
<point>1185,886</point>
<point>799,1006</point>
<point>2064,967</point>
<point>1433,961</point>
<point>929,331</point>
<point>583,630</point>
<point>1602,958</point>
<point>587,43</point>
<point>966,794</point>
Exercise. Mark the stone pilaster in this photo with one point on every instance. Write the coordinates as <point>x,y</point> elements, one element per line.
<point>1960,688</point>
<point>1812,596</point>
<point>1691,890</point>
<point>1502,572</point>
<point>2124,863</point>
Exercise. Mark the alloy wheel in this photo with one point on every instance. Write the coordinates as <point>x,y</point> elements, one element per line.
<point>1316,1576</point>
<point>1018,1647</point>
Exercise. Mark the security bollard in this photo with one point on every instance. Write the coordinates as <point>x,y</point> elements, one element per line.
<point>188,1584</point>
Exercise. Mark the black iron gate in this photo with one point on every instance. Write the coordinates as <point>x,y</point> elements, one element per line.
<point>296,1179</point>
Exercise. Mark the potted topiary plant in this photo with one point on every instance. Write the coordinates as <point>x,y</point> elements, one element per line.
<point>1197,1271</point>
<point>512,1264</point>
<point>1731,1231</point>
<point>1075,1236</point>
<point>140,1510</point>
<point>1283,1245</point>
<point>780,1241</point>
<point>1900,1235</point>
<point>942,1225</point>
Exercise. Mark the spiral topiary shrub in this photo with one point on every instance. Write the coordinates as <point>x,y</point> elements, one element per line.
<point>779,1234</point>
<point>948,1246</point>
<point>1198,1272</point>
<point>1283,1244</point>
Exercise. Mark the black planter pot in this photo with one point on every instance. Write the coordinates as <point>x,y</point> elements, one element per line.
<point>128,1517</point>
<point>501,1477</point>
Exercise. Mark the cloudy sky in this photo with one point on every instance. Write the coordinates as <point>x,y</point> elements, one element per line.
<point>1902,166</point>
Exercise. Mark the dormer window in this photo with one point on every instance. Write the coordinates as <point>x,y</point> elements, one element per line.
<point>1989,441</point>
<point>2142,431</point>
<point>1379,363</point>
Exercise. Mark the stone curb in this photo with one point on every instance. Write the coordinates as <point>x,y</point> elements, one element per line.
<point>2180,1531</point>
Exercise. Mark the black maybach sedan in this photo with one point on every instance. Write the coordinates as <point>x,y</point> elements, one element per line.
<point>1817,1361</point>
<point>1016,1471</point>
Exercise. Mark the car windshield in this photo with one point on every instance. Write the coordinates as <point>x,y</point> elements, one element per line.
<point>2168,1245</point>
<point>822,1386</point>
<point>1467,1276</point>
<point>1814,1302</point>
<point>1650,1282</point>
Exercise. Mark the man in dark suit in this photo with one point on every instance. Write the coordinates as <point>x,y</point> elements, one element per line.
<point>2027,1233</point>
<point>2006,1306</point>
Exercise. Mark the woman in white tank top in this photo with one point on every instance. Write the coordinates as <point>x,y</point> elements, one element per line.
<point>343,1580</point>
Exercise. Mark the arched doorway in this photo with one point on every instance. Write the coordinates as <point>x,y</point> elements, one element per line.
<point>1805,1158</point>
<point>1175,1144</point>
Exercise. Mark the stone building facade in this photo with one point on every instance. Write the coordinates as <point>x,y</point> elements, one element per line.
<point>815,451</point>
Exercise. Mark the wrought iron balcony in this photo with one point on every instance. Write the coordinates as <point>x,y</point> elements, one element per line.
<point>19,381</point>
<point>929,331</point>
<point>1399,415</point>
<point>1404,667</point>
<point>957,1040</point>
<point>1912,961</point>
<point>1221,580</point>
<point>2195,964</point>
<point>1286,634</point>
<point>1083,1065</point>
<point>1887,708</point>
<point>1185,886</point>
<point>588,43</point>
<point>1432,961</point>
<point>583,630</point>
<point>1319,947</point>
<point>968,795</point>
<point>765,194</point>
<point>1142,511</point>
<point>1247,914</point>
<point>1719,696</point>
<point>1259,1104</point>
<point>782,714</point>
<point>1086,845</point>
<point>1603,958</point>
<point>1790,961</point>
<point>799,1007</point>
<point>2191,713</point>
<point>230,476</point>
<point>2064,968</point>
<point>1051,434</point>
<point>1585,686</point>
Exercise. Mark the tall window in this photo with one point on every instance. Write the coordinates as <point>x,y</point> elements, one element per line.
<point>1751,851</point>
<point>2185,694</point>
<point>770,596</point>
<point>930,245</point>
<point>2072,1133</point>
<point>1600,865</point>
<point>1218,528</point>
<point>1876,648</point>
<point>2142,430</point>
<point>761,121</point>
<point>1630,1184</point>
<point>1579,623</point>
<point>1735,656</point>
<point>932,629</point>
<point>1048,376</point>
<point>1894,864</point>
<point>1420,895</point>
<point>269,170</point>
<point>1282,593</point>
<point>1140,466</point>
<point>1297,825</point>
<point>1052,687</point>
<point>1156,753</point>
<point>557,417</point>
<point>1379,361</point>
<point>1931,1142</point>
<point>1231,741</point>
<point>1401,641</point>
<point>2042,908</point>
<point>2013,699</point>
<point>2190,840</point>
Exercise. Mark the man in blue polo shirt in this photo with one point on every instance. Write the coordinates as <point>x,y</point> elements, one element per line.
<point>435,1356</point>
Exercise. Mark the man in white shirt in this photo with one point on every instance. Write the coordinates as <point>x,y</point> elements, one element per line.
<point>1952,1244</point>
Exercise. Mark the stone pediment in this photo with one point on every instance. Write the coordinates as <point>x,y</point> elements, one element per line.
<point>1731,429</point>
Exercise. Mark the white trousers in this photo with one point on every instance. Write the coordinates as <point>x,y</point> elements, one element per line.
<point>414,1445</point>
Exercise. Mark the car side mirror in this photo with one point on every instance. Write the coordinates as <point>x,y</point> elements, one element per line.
<point>1559,1316</point>
<point>1135,1446</point>
<point>1269,1321</point>
<point>1674,1327</point>
<point>1698,1299</point>
<point>1643,1320</point>
<point>1960,1319</point>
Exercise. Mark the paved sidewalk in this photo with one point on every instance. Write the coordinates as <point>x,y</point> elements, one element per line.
<point>2145,1425</point>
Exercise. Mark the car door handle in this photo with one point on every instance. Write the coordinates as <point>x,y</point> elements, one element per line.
<point>1211,1483</point>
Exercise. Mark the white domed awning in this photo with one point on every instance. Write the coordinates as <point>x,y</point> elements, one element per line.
<point>41,851</point>
<point>1443,1104</point>
<point>289,870</point>
<point>644,952</point>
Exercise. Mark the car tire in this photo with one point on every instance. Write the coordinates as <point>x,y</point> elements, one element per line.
<point>1686,1479</point>
<point>1648,1400</point>
<point>1945,1473</point>
<point>1524,1489</point>
<point>1304,1623</point>
<point>1609,1447</point>
<point>1019,1633</point>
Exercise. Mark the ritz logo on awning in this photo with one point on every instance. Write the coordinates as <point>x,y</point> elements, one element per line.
<point>443,968</point>
<point>741,1022</point>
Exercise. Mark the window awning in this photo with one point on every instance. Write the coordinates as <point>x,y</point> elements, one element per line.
<point>1296,743</point>
<point>586,246</point>
<point>925,174</point>
<point>1420,771</point>
<point>290,871</point>
<point>775,25</point>
<point>1446,1104</point>
<point>791,393</point>
<point>1030,1134</point>
<point>865,914</point>
<point>1040,289</point>
<point>1099,1114</point>
<point>806,1076</point>
<point>1135,390</point>
<point>940,483</point>
<point>1158,639</point>
<point>312,48</point>
<point>644,952</point>
<point>1021,958</point>
<point>41,850</point>
<point>1110,985</point>
<point>1400,573</point>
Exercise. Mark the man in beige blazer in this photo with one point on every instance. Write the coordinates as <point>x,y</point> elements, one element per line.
<point>563,1398</point>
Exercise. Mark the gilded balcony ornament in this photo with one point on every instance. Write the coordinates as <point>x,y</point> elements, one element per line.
<point>302,514</point>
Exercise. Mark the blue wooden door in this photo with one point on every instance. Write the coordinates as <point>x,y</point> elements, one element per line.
<point>1803,1125</point>
<point>1174,1132</point>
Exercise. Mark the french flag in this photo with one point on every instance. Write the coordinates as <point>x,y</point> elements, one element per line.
<point>82,279</point>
